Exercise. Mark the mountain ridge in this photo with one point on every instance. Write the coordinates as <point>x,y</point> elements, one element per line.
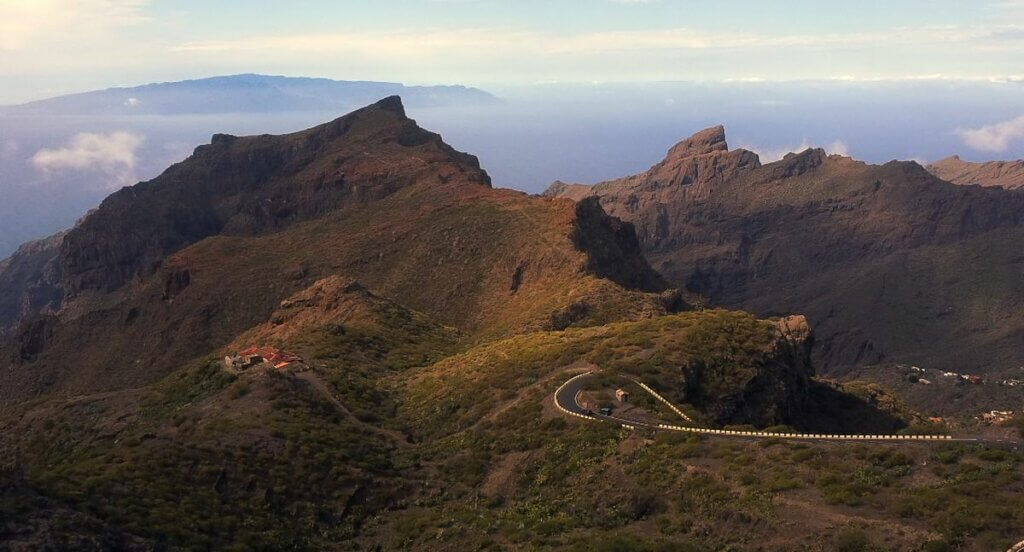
<point>827,236</point>
<point>1005,174</point>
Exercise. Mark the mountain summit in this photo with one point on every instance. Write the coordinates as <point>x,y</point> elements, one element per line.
<point>691,168</point>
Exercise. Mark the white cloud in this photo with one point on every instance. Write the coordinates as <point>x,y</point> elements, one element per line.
<point>994,137</point>
<point>768,155</point>
<point>111,154</point>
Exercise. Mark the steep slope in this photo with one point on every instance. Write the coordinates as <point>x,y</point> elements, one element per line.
<point>1005,174</point>
<point>174,268</point>
<point>888,262</point>
<point>30,282</point>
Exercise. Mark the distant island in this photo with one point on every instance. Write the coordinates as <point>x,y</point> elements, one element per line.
<point>246,93</point>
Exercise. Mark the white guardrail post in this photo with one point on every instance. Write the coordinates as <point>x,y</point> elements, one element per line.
<point>653,393</point>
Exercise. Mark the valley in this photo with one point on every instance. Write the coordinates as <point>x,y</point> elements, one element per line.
<point>345,338</point>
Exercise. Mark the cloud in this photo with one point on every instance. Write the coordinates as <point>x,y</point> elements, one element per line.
<point>994,137</point>
<point>768,155</point>
<point>111,154</point>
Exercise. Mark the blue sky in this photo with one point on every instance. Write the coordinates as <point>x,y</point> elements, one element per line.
<point>49,47</point>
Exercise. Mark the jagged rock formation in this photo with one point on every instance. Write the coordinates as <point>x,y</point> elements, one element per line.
<point>885,260</point>
<point>1005,174</point>
<point>691,169</point>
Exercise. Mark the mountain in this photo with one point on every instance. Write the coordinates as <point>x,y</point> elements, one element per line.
<point>889,263</point>
<point>345,339</point>
<point>177,266</point>
<point>1006,174</point>
<point>245,93</point>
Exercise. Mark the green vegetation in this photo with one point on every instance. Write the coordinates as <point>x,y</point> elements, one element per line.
<point>402,436</point>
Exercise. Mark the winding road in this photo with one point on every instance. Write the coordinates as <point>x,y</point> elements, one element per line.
<point>566,401</point>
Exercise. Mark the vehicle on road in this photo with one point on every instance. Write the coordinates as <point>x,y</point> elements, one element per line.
<point>606,411</point>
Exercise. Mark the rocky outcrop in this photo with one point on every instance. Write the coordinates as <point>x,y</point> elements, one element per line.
<point>776,390</point>
<point>1005,174</point>
<point>691,169</point>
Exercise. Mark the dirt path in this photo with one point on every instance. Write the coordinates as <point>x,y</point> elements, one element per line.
<point>324,390</point>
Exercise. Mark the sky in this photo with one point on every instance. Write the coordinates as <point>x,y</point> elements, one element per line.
<point>52,47</point>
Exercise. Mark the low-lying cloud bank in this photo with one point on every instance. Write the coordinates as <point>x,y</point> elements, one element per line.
<point>112,154</point>
<point>994,137</point>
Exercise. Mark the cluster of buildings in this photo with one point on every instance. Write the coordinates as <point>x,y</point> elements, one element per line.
<point>258,356</point>
<point>996,416</point>
<point>968,378</point>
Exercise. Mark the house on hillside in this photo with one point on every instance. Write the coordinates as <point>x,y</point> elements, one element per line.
<point>255,356</point>
<point>621,395</point>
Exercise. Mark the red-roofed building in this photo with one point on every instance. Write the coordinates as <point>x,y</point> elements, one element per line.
<point>254,356</point>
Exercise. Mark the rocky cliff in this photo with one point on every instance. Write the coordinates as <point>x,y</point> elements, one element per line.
<point>773,388</point>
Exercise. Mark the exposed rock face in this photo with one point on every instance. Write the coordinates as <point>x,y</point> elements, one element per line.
<point>777,390</point>
<point>30,282</point>
<point>1006,174</point>
<point>887,261</point>
<point>612,249</point>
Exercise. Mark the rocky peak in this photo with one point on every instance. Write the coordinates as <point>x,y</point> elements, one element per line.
<point>700,163</point>
<point>706,141</point>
